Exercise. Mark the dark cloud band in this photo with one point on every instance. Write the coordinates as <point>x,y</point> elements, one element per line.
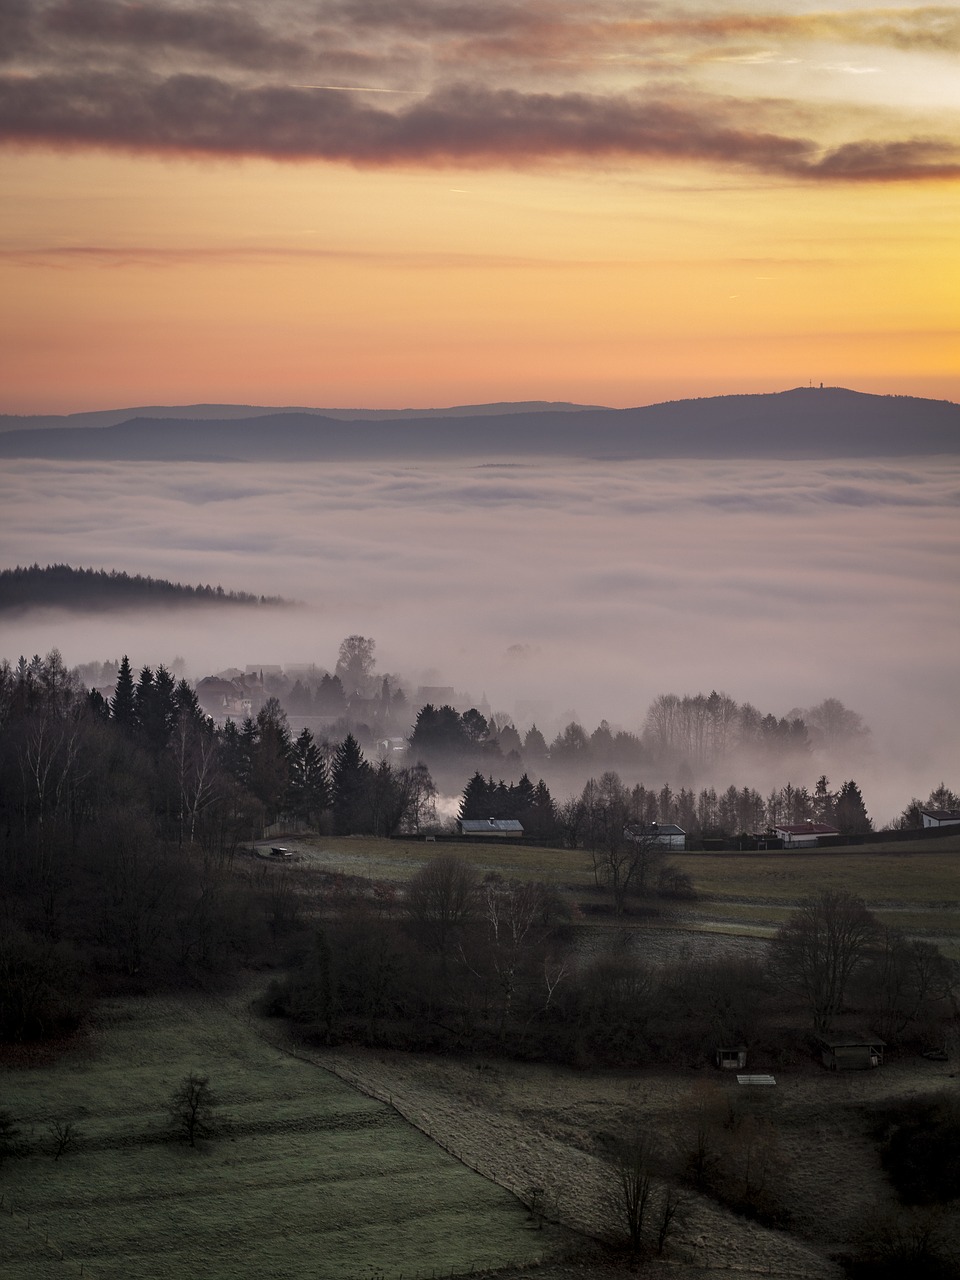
<point>463,124</point>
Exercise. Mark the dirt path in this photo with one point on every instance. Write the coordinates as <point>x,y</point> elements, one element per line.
<point>528,1126</point>
<point>531,1127</point>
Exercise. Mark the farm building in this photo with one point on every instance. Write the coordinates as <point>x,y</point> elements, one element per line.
<point>658,835</point>
<point>847,1053</point>
<point>940,817</point>
<point>803,835</point>
<point>487,827</point>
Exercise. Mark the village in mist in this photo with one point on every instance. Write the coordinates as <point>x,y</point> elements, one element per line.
<point>542,590</point>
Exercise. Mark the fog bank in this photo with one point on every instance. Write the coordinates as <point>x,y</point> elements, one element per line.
<point>557,589</point>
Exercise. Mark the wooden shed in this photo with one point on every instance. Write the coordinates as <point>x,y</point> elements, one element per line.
<point>848,1053</point>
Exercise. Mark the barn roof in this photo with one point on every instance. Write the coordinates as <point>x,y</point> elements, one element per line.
<point>475,826</point>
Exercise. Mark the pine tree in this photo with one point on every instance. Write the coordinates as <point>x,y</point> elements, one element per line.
<point>186,702</point>
<point>475,804</point>
<point>123,707</point>
<point>546,811</point>
<point>155,708</point>
<point>823,800</point>
<point>270,758</point>
<point>534,746</point>
<point>308,791</point>
<point>349,781</point>
<point>851,812</point>
<point>439,731</point>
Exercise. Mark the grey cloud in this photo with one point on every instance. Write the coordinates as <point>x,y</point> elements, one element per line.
<point>95,74</point>
<point>465,124</point>
<point>225,33</point>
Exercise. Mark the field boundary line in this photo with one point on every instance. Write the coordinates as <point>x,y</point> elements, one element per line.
<point>291,1048</point>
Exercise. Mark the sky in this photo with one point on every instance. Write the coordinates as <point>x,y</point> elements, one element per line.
<point>367,203</point>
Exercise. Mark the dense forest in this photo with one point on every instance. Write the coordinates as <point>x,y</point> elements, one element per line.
<point>59,586</point>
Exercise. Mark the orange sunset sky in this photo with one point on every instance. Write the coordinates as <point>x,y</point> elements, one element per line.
<point>358,202</point>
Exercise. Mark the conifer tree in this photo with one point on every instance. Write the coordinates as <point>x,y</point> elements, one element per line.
<point>123,705</point>
<point>476,799</point>
<point>851,812</point>
<point>349,778</point>
<point>534,746</point>
<point>308,792</point>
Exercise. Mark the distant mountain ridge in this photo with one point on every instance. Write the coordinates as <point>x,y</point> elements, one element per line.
<point>802,423</point>
<point>59,586</point>
<point>234,412</point>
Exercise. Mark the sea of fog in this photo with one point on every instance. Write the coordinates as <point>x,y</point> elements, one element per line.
<point>556,589</point>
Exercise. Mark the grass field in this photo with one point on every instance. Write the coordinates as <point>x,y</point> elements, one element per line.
<point>399,859</point>
<point>913,885</point>
<point>886,877</point>
<point>311,1179</point>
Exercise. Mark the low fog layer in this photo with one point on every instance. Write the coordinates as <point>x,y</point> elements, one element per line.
<point>559,590</point>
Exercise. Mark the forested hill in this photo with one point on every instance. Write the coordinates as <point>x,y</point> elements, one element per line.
<point>803,423</point>
<point>58,586</point>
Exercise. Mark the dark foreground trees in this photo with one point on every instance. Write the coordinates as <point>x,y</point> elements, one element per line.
<point>816,953</point>
<point>440,901</point>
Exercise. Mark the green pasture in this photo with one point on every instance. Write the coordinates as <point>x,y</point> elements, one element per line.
<point>915,891</point>
<point>913,885</point>
<point>894,878</point>
<point>400,859</point>
<point>309,1179</point>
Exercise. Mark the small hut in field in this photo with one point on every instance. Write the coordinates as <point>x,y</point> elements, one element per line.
<point>851,1053</point>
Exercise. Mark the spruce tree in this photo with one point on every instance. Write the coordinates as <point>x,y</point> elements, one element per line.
<point>476,799</point>
<point>123,705</point>
<point>851,812</point>
<point>349,779</point>
<point>308,792</point>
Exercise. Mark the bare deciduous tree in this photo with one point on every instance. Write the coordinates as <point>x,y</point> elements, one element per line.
<point>65,1136</point>
<point>440,899</point>
<point>671,1202</point>
<point>820,947</point>
<point>193,1107</point>
<point>632,1164</point>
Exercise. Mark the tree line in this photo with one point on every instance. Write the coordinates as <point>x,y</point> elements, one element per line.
<point>465,962</point>
<point>61,586</point>
<point>120,820</point>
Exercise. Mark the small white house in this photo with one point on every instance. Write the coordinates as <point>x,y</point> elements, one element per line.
<point>940,817</point>
<point>657,835</point>
<point>803,835</point>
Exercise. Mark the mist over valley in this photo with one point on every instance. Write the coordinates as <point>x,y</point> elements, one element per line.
<point>556,589</point>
